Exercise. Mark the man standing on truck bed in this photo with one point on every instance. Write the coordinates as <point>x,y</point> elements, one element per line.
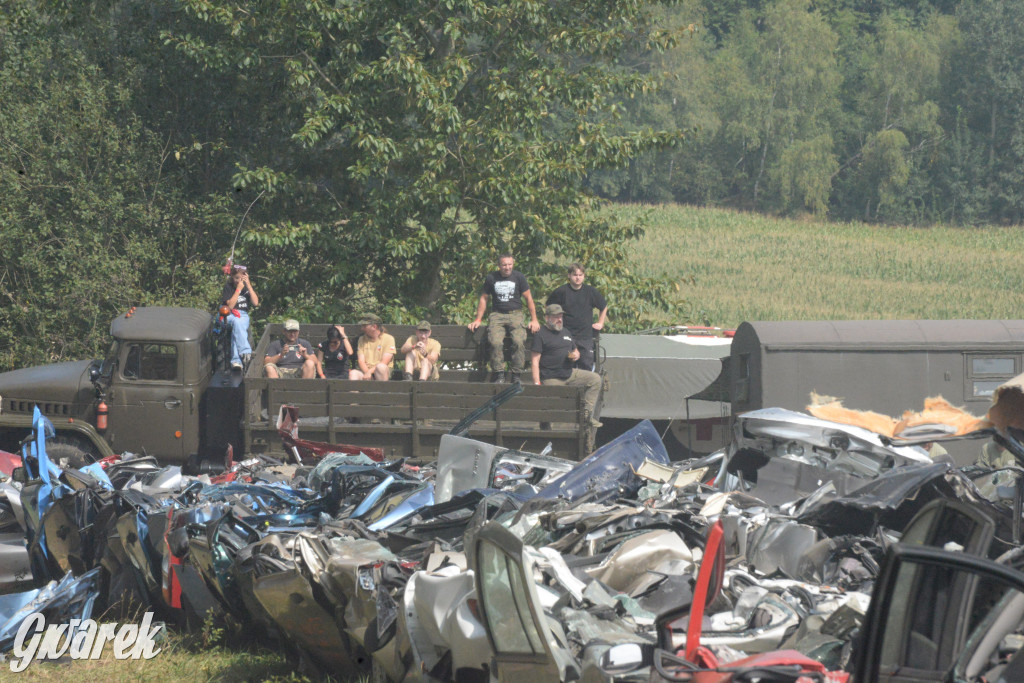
<point>375,351</point>
<point>507,287</point>
<point>552,357</point>
<point>290,357</point>
<point>578,301</point>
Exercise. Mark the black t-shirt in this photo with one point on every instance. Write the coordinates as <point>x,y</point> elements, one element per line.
<point>506,292</point>
<point>335,362</point>
<point>554,349</point>
<point>243,298</point>
<point>578,305</point>
<point>292,359</point>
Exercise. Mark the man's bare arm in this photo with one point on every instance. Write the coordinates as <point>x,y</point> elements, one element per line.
<point>534,325</point>
<point>481,308</point>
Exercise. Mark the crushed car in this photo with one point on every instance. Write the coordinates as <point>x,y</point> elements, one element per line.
<point>803,552</point>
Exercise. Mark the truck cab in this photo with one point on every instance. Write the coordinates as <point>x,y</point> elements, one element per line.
<point>152,379</point>
<point>162,363</point>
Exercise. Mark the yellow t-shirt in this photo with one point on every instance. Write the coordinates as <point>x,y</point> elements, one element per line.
<point>372,351</point>
<point>432,346</point>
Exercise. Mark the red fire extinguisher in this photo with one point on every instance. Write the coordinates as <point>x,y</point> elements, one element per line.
<point>101,416</point>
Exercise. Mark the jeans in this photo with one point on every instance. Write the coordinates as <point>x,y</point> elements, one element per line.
<point>239,335</point>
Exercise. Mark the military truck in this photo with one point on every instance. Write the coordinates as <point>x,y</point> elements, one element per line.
<point>161,391</point>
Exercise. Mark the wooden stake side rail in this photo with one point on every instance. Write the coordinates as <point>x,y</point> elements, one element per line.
<point>407,419</point>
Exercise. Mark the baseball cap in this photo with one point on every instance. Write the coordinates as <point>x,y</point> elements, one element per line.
<point>553,309</point>
<point>291,324</point>
<point>423,325</point>
<point>371,319</point>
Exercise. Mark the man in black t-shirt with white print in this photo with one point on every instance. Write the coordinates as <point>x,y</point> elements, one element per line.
<point>506,287</point>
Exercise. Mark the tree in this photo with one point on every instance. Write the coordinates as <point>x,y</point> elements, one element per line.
<point>987,90</point>
<point>89,227</point>
<point>802,175</point>
<point>892,130</point>
<point>426,138</point>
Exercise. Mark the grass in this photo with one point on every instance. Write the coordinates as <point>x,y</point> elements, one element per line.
<point>217,652</point>
<point>736,266</point>
<point>182,658</point>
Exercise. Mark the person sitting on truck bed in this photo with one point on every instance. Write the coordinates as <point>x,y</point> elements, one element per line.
<point>333,354</point>
<point>291,356</point>
<point>421,354</point>
<point>507,287</point>
<point>553,355</point>
<point>375,351</point>
<point>239,296</point>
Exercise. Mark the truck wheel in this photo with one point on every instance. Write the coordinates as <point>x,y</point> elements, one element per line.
<point>70,453</point>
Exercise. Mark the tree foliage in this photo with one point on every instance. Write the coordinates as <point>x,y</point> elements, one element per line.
<point>88,226</point>
<point>428,137</point>
<point>378,155</point>
<point>905,111</point>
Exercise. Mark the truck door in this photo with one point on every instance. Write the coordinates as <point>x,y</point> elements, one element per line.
<point>148,402</point>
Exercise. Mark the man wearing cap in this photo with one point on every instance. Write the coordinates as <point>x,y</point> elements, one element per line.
<point>553,355</point>
<point>507,288</point>
<point>579,301</point>
<point>421,354</point>
<point>375,351</point>
<point>290,356</point>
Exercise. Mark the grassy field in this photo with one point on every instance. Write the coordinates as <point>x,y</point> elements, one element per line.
<point>738,266</point>
<point>182,658</point>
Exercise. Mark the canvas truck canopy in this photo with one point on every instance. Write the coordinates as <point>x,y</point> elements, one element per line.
<point>652,377</point>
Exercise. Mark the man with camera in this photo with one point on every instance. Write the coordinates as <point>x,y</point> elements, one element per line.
<point>290,357</point>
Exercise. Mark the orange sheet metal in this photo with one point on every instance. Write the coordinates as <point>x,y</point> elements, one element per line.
<point>937,410</point>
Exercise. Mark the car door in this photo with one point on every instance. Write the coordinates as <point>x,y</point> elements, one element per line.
<point>939,615</point>
<point>147,401</point>
<point>522,645</point>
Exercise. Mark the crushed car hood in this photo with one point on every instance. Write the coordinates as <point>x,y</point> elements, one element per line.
<point>61,382</point>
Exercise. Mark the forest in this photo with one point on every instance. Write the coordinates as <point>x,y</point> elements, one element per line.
<point>361,155</point>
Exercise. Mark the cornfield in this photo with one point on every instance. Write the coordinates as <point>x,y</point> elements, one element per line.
<point>734,266</point>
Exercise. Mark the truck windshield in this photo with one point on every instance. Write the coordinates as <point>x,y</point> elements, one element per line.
<point>109,362</point>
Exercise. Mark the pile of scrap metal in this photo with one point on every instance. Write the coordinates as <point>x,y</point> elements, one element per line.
<point>758,560</point>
